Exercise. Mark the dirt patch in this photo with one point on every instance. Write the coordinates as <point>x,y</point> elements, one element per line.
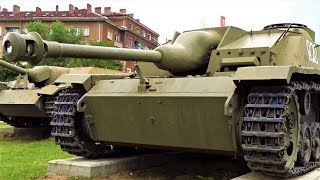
<point>55,177</point>
<point>12,134</point>
<point>187,166</point>
<point>6,133</point>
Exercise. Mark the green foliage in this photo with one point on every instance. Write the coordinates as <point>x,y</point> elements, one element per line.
<point>76,62</point>
<point>112,64</point>
<point>7,75</point>
<point>101,43</point>
<point>39,27</point>
<point>62,34</point>
<point>61,62</point>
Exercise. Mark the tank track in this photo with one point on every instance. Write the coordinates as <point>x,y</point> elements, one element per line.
<point>264,128</point>
<point>71,135</point>
<point>49,105</point>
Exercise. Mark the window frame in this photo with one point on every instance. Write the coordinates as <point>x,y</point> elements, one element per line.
<point>78,30</point>
<point>109,34</point>
<point>13,28</point>
<point>138,30</point>
<point>84,32</point>
<point>130,26</point>
<point>117,37</point>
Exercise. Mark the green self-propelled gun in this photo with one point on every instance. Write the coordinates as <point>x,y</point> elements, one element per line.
<point>218,90</point>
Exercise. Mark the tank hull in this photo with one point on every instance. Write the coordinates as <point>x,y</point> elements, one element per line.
<point>21,103</point>
<point>175,113</point>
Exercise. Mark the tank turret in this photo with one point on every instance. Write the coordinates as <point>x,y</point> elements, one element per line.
<point>187,54</point>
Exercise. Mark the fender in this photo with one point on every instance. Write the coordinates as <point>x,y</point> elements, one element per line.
<point>264,73</point>
<point>52,89</point>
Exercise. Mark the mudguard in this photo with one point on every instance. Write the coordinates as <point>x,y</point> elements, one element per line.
<point>283,73</point>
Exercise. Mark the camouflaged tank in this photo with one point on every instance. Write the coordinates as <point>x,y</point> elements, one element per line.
<point>28,101</point>
<point>217,90</point>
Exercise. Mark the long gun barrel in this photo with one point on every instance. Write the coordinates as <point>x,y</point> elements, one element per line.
<point>35,75</point>
<point>12,67</point>
<point>188,53</point>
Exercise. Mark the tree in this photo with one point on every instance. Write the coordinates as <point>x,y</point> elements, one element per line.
<point>110,64</point>
<point>39,27</point>
<point>62,34</point>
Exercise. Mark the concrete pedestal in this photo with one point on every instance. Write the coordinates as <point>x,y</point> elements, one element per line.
<point>80,166</point>
<point>313,175</point>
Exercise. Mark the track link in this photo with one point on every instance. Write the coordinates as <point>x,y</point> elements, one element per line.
<point>68,133</point>
<point>268,130</point>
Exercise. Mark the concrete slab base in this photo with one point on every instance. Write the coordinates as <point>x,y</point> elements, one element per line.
<point>313,175</point>
<point>80,166</point>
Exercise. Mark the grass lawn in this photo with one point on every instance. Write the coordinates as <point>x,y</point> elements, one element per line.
<point>27,159</point>
<point>4,125</point>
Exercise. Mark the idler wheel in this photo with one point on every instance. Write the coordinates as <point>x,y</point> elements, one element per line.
<point>292,135</point>
<point>315,130</point>
<point>305,146</point>
<point>305,102</point>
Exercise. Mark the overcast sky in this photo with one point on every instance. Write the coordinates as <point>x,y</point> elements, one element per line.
<point>167,16</point>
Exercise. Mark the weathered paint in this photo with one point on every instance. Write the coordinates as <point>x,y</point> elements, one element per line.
<point>25,103</point>
<point>52,89</point>
<point>271,73</point>
<point>177,112</point>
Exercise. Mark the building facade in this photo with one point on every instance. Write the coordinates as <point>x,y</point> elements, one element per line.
<point>119,27</point>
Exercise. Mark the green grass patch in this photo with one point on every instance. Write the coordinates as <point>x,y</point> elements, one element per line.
<point>4,125</point>
<point>27,159</point>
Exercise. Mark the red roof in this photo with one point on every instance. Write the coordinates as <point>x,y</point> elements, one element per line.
<point>50,14</point>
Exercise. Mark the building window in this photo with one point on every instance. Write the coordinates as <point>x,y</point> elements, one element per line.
<point>77,29</point>
<point>130,42</point>
<point>130,26</point>
<point>149,37</point>
<point>109,34</point>
<point>137,45</point>
<point>117,37</point>
<point>138,30</point>
<point>12,29</point>
<point>143,33</point>
<point>85,31</point>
